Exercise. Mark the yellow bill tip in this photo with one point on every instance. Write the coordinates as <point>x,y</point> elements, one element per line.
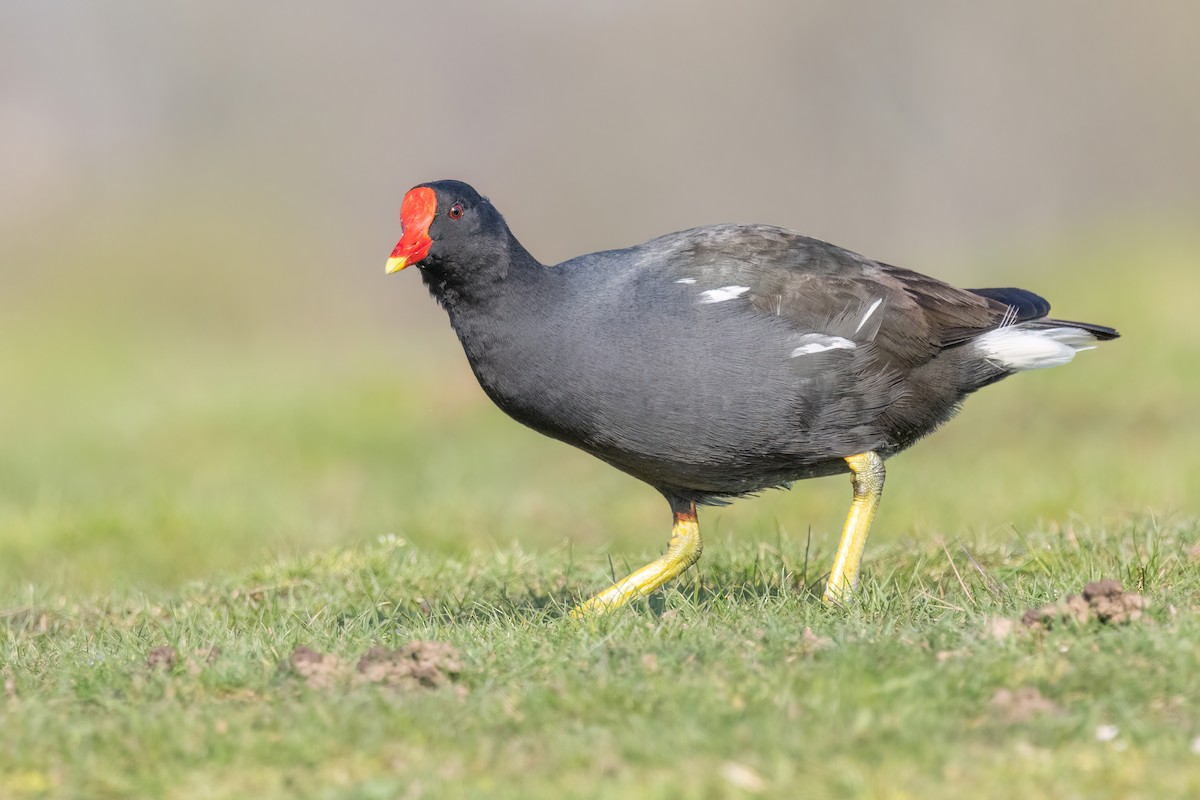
<point>395,264</point>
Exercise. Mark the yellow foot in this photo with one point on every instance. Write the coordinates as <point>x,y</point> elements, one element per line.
<point>867,473</point>
<point>682,552</point>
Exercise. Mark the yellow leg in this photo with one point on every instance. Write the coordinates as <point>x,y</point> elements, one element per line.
<point>866,471</point>
<point>682,552</point>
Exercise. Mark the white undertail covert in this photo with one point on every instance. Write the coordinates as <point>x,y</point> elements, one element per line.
<point>1020,347</point>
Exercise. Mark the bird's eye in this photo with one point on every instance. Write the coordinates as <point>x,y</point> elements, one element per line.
<point>455,212</point>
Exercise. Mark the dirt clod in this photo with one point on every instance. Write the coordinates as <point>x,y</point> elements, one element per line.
<point>1022,704</point>
<point>164,657</point>
<point>319,670</point>
<point>1105,588</point>
<point>1104,601</point>
<point>418,664</point>
<point>1111,603</point>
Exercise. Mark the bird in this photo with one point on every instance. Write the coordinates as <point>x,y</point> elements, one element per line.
<point>721,361</point>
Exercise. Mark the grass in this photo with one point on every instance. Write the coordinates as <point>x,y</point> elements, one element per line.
<point>260,484</point>
<point>735,682</point>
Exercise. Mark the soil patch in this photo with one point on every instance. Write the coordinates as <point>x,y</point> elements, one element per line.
<point>1104,601</point>
<point>416,665</point>
<point>319,670</point>
<point>163,657</point>
<point>428,665</point>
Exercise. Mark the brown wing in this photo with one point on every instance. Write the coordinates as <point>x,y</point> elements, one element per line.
<point>821,288</point>
<point>909,317</point>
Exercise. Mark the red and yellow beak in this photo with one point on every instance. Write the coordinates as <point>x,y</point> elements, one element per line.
<point>416,215</point>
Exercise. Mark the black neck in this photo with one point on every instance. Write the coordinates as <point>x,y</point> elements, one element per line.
<point>471,277</point>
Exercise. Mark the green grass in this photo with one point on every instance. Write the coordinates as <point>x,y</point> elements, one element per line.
<point>257,476</point>
<point>730,667</point>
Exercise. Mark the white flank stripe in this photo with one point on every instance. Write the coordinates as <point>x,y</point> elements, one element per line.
<point>686,280</point>
<point>723,294</point>
<point>819,343</point>
<point>867,315</point>
<point>1016,347</point>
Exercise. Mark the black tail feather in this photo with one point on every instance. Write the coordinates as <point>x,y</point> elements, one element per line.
<point>1101,332</point>
<point>1030,307</point>
<point>1026,304</point>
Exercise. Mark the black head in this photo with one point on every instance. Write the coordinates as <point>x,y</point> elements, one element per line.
<point>453,234</point>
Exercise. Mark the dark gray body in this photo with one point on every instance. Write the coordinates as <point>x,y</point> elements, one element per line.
<point>723,360</point>
<point>703,398</point>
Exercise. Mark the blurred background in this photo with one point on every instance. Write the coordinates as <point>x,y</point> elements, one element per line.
<point>203,366</point>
